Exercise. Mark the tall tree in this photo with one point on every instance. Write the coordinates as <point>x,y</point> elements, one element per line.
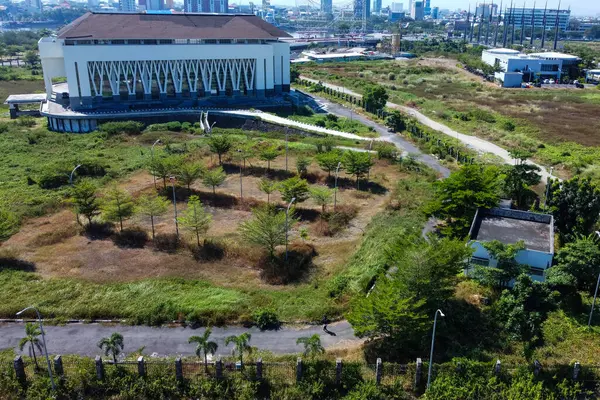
<point>118,205</point>
<point>32,331</point>
<point>267,186</point>
<point>374,97</point>
<point>203,345</point>
<point>575,205</point>
<point>329,161</point>
<point>266,228</point>
<point>214,177</point>
<point>219,144</point>
<point>85,199</point>
<point>396,121</point>
<point>112,345</point>
<point>152,206</point>
<point>579,259</point>
<point>458,197</point>
<point>357,164</point>
<point>519,178</point>
<point>189,173</point>
<point>32,59</point>
<point>294,187</point>
<point>507,267</point>
<point>194,218</point>
<point>312,345</point>
<point>242,344</point>
<point>269,154</point>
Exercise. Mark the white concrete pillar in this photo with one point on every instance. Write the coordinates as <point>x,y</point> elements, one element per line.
<point>269,71</point>
<point>259,79</point>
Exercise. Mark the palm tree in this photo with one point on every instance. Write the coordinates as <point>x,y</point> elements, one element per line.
<point>113,345</point>
<point>312,345</point>
<point>241,344</point>
<point>32,332</point>
<point>204,346</point>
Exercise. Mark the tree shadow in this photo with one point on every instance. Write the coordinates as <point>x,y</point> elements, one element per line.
<point>279,271</point>
<point>350,183</point>
<point>16,264</point>
<point>217,200</point>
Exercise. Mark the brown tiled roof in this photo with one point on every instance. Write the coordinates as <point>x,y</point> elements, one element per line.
<point>169,26</point>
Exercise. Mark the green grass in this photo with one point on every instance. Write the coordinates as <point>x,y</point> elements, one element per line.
<point>340,123</point>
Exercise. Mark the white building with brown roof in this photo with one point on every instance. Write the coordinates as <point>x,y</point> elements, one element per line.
<point>132,60</point>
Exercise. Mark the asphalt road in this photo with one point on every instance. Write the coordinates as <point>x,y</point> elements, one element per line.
<point>162,341</point>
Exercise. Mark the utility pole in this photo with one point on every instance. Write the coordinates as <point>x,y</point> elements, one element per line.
<point>512,32</point>
<point>489,21</point>
<point>498,24</point>
<point>468,24</point>
<point>532,26</point>
<point>473,25</point>
<point>556,28</point>
<point>522,23</point>
<point>505,26</point>
<point>481,19</point>
<point>544,25</point>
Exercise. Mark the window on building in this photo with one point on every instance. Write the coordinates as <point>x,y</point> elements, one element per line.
<point>117,41</point>
<point>484,262</point>
<point>549,67</point>
<point>134,41</point>
<point>536,271</point>
<point>165,41</point>
<point>210,41</point>
<point>150,41</point>
<point>225,41</point>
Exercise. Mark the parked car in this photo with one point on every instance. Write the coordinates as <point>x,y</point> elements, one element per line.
<point>579,85</point>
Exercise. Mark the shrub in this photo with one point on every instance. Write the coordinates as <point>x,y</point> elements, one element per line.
<point>211,249</point>
<point>92,168</point>
<point>266,319</point>
<point>339,219</point>
<point>53,179</point>
<point>387,151</point>
<point>508,126</point>
<point>167,242</point>
<point>126,127</point>
<point>337,286</point>
<point>391,76</point>
<point>174,126</point>
<point>482,115</point>
<point>134,237</point>
<point>4,127</point>
<point>26,121</point>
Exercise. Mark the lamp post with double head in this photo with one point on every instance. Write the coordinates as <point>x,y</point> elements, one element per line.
<point>39,318</point>
<point>432,343</point>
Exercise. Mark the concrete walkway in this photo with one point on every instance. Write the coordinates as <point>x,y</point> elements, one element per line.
<point>82,339</point>
<point>472,142</point>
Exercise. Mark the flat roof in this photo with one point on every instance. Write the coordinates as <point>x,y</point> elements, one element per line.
<point>510,226</point>
<point>502,51</point>
<point>108,26</point>
<point>554,54</point>
<point>25,98</point>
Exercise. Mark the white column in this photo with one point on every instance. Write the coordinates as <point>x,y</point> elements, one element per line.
<point>72,84</point>
<point>270,68</point>
<point>260,84</point>
<point>84,83</point>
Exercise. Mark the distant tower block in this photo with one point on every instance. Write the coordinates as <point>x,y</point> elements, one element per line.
<point>396,40</point>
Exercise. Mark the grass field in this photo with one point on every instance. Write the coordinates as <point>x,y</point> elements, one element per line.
<point>560,125</point>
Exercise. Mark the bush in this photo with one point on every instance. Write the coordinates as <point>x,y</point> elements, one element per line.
<point>265,319</point>
<point>387,151</point>
<point>174,126</point>
<point>339,219</point>
<point>509,126</point>
<point>167,242</point>
<point>53,179</point>
<point>482,115</point>
<point>126,127</point>
<point>26,121</point>
<point>4,127</point>
<point>134,237</point>
<point>337,286</point>
<point>210,250</point>
<point>92,168</point>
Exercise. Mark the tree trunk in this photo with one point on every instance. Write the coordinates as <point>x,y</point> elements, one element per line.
<point>357,183</point>
<point>152,223</point>
<point>121,223</point>
<point>214,191</point>
<point>268,165</point>
<point>220,159</point>
<point>268,198</point>
<point>198,238</point>
<point>165,182</point>
<point>114,358</point>
<point>189,190</point>
<point>34,356</point>
<point>205,363</point>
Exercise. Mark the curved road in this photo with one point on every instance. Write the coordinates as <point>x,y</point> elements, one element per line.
<point>473,142</point>
<point>79,338</point>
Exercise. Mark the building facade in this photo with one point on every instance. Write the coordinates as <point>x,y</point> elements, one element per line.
<point>327,6</point>
<point>127,5</point>
<point>133,61</point>
<point>206,6</point>
<point>418,11</point>
<point>362,9</point>
<point>377,6</point>
<point>540,17</point>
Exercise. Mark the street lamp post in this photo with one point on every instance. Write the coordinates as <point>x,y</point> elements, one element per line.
<point>337,169</point>
<point>152,158</point>
<point>241,174</point>
<point>39,317</point>
<point>286,148</point>
<point>369,170</point>
<point>71,184</point>
<point>548,188</point>
<point>432,343</point>
<point>287,211</point>
<point>594,301</point>
<point>172,179</point>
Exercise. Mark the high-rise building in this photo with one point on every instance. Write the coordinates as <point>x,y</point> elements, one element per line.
<point>418,11</point>
<point>34,5</point>
<point>427,7</point>
<point>538,18</point>
<point>327,6</point>
<point>127,5</point>
<point>153,4</point>
<point>397,7</point>
<point>435,12</point>
<point>206,6</point>
<point>377,6</point>
<point>94,3</point>
<point>486,9</point>
<point>362,8</point>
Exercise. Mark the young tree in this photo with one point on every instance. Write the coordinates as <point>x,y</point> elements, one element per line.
<point>302,164</point>
<point>269,154</point>
<point>219,144</point>
<point>32,59</point>
<point>32,331</point>
<point>267,186</point>
<point>244,152</point>
<point>112,345</point>
<point>519,178</point>
<point>374,97</point>
<point>152,206</point>
<point>190,172</point>
<point>506,267</point>
<point>117,205</point>
<point>194,218</point>
<point>457,197</point>
<point>312,345</point>
<point>575,205</point>
<point>329,161</point>
<point>164,167</point>
<point>321,196</point>
<point>266,228</point>
<point>396,121</point>
<point>580,259</point>
<point>203,345</point>
<point>84,197</point>
<point>9,224</point>
<point>357,164</point>
<point>214,177</point>
<point>241,343</point>
<point>294,187</point>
